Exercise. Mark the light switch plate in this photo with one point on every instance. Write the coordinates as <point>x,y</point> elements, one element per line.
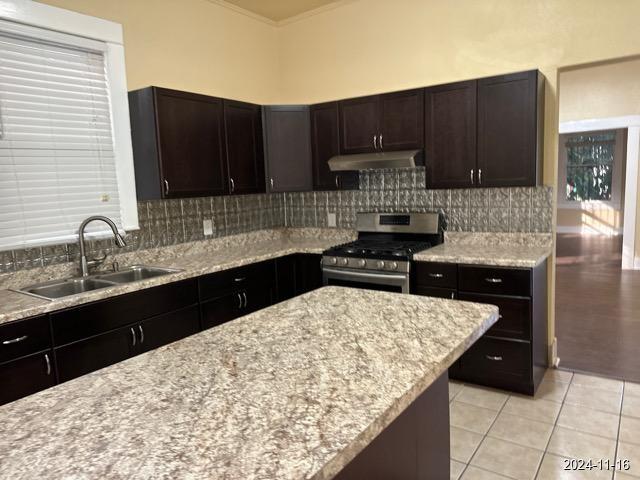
<point>207,226</point>
<point>331,219</point>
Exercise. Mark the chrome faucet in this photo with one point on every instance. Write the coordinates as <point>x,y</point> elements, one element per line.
<point>84,264</point>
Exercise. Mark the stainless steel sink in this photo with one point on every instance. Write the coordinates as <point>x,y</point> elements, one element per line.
<point>66,287</point>
<point>135,273</point>
<point>72,286</point>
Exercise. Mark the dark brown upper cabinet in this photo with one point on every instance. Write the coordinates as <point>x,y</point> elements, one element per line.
<point>401,120</point>
<point>325,143</point>
<point>178,144</point>
<point>486,132</point>
<point>450,135</point>
<point>287,142</point>
<point>510,129</point>
<point>393,121</point>
<point>244,145</point>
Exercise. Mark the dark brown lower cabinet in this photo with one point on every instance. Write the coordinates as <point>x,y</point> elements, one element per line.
<point>435,292</point>
<point>26,375</point>
<point>217,311</point>
<point>164,329</point>
<point>297,274</point>
<point>414,446</point>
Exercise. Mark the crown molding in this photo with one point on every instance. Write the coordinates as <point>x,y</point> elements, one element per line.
<point>286,21</point>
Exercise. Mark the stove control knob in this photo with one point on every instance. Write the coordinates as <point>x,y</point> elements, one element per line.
<point>380,264</point>
<point>344,261</point>
<point>393,266</point>
<point>332,260</point>
<point>362,263</point>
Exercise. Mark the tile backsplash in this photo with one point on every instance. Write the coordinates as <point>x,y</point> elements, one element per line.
<point>171,222</point>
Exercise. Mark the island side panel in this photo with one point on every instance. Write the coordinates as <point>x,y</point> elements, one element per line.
<point>414,446</point>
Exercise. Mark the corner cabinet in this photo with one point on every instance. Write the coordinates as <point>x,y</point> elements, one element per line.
<point>325,143</point>
<point>178,144</point>
<point>245,156</point>
<point>486,132</point>
<point>287,140</point>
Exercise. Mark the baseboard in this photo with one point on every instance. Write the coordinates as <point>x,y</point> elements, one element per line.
<point>587,231</point>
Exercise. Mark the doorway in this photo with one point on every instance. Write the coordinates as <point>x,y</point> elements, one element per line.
<point>597,288</point>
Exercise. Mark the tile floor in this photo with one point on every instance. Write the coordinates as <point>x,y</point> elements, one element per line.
<point>496,435</point>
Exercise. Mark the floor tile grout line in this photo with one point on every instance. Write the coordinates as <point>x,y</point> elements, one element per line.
<point>615,454</point>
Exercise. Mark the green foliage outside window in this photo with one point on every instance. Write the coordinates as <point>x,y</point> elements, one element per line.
<point>590,166</point>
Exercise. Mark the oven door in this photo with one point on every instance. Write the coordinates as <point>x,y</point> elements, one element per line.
<point>388,282</point>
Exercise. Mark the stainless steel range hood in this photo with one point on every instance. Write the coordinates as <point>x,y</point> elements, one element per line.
<point>368,161</point>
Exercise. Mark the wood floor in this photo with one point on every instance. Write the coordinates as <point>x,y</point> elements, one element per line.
<point>597,307</point>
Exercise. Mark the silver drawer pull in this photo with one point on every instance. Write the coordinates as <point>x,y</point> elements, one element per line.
<point>46,359</point>
<point>239,279</point>
<point>493,280</point>
<point>494,358</point>
<point>436,275</point>
<point>15,340</point>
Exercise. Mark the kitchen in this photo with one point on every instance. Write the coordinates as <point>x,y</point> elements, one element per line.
<point>208,331</point>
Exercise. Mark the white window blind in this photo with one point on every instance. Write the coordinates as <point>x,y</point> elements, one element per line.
<point>57,161</point>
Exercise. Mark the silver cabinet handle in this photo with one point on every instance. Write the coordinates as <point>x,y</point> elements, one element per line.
<point>271,183</point>
<point>453,295</point>
<point>375,142</point>
<point>239,279</point>
<point>133,337</point>
<point>244,295</point>
<point>166,186</point>
<point>337,181</point>
<point>471,175</point>
<point>233,185</point>
<point>496,358</point>
<point>141,334</point>
<point>436,275</point>
<point>239,300</point>
<point>480,176</point>
<point>380,142</point>
<point>48,363</point>
<point>15,340</point>
<point>493,280</point>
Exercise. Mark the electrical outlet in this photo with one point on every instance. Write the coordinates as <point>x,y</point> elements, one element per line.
<point>207,226</point>
<point>331,219</point>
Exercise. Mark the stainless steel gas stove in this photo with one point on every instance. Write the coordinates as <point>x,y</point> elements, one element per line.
<point>380,258</point>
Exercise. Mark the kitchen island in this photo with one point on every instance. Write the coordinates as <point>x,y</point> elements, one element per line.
<point>298,390</point>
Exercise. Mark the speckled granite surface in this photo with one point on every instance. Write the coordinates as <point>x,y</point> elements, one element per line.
<point>497,249</point>
<point>195,259</point>
<point>294,391</point>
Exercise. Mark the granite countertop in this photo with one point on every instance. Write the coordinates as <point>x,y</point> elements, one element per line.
<point>193,261</point>
<point>294,391</point>
<point>505,250</point>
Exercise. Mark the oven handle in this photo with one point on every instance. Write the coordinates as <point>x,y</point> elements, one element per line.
<point>343,274</point>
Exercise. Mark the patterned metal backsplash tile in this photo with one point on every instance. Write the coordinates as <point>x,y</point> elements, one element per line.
<point>171,222</point>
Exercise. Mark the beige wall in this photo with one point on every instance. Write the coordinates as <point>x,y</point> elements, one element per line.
<point>611,89</point>
<point>192,45</point>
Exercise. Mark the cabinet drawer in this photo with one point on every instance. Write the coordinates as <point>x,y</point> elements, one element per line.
<point>496,280</point>
<point>164,329</point>
<point>498,363</point>
<point>444,275</point>
<point>99,317</point>
<point>515,315</point>
<point>23,337</point>
<point>435,292</point>
<point>212,285</point>
<point>25,376</point>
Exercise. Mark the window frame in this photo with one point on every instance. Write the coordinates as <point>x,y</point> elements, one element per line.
<point>617,178</point>
<point>27,13</point>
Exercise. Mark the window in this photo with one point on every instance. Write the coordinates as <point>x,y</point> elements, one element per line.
<point>65,146</point>
<point>590,164</point>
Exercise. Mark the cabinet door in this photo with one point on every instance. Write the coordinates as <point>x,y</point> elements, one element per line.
<point>257,297</point>
<point>325,143</point>
<point>84,356</point>
<point>221,309</point>
<point>308,273</point>
<point>435,292</point>
<point>245,158</point>
<point>25,376</point>
<point>286,268</point>
<point>402,120</point>
<point>359,125</point>
<point>158,331</point>
<point>508,130</point>
<point>450,135</point>
<point>191,144</point>
<point>288,148</point>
